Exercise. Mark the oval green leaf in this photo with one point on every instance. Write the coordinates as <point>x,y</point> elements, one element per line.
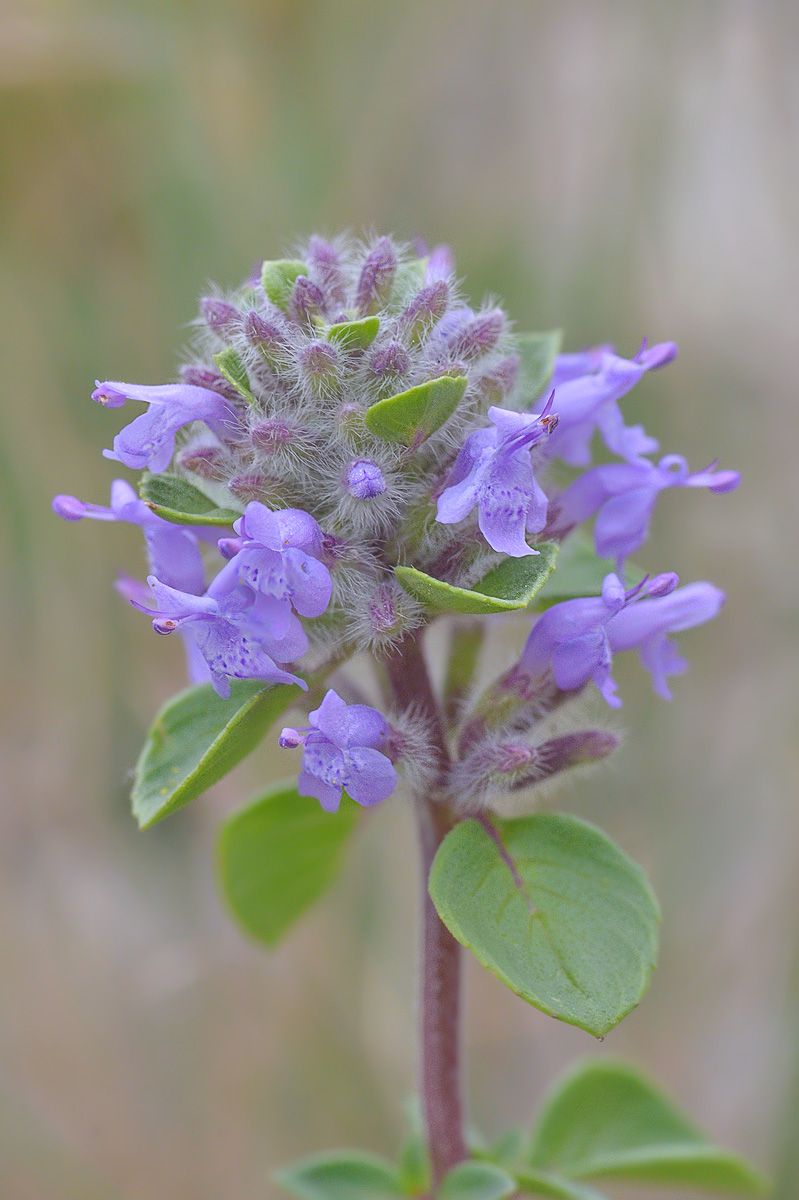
<point>234,371</point>
<point>277,279</point>
<point>178,501</point>
<point>341,1175</point>
<point>197,738</point>
<point>354,335</point>
<point>476,1181</point>
<point>554,1187</point>
<point>536,353</point>
<point>607,1120</point>
<point>412,416</point>
<point>277,855</point>
<point>555,910</point>
<point>506,588</point>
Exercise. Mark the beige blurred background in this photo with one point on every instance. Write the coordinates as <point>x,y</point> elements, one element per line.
<point>617,168</point>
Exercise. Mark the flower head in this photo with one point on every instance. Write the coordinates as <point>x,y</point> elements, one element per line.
<point>341,750</point>
<point>494,472</point>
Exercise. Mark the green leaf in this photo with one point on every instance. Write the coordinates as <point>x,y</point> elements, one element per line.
<point>277,855</point>
<point>559,913</point>
<point>178,501</point>
<point>412,416</point>
<point>231,366</point>
<point>277,279</point>
<point>553,1187</point>
<point>477,1181</point>
<point>579,572</point>
<point>607,1120</point>
<point>508,1148</point>
<point>537,353</point>
<point>506,588</point>
<point>354,335</point>
<point>197,738</point>
<point>341,1175</point>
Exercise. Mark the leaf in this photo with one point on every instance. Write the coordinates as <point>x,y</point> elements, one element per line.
<point>277,855</point>
<point>341,1175</point>
<point>607,1120</point>
<point>277,279</point>
<point>234,371</point>
<point>176,500</point>
<point>579,572</point>
<point>476,1181</point>
<point>412,416</point>
<point>537,353</point>
<point>559,913</point>
<point>553,1187</point>
<point>196,739</point>
<point>506,588</point>
<point>508,1148</point>
<point>354,335</point>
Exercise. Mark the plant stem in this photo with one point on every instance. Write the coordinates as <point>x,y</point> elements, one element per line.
<point>440,983</point>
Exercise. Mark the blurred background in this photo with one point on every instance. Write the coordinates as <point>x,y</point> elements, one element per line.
<point>616,168</point>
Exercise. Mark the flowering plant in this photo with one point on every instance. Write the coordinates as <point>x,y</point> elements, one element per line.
<point>353,454</point>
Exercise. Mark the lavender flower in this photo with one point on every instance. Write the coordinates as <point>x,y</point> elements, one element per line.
<point>173,549</point>
<point>149,441</point>
<point>588,402</point>
<point>341,751</point>
<point>493,471</point>
<point>236,634</point>
<point>623,497</point>
<point>277,554</point>
<point>575,641</point>
<point>364,479</point>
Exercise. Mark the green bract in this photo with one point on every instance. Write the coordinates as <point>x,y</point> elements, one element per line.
<point>536,353</point>
<point>233,369</point>
<point>506,588</point>
<point>559,913</point>
<point>277,855</point>
<point>196,739</point>
<point>354,335</point>
<point>176,500</point>
<point>277,279</point>
<point>341,1175</point>
<point>410,417</point>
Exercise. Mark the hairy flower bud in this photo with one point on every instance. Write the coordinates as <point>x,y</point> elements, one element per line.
<point>221,317</point>
<point>318,364</point>
<point>427,307</point>
<point>376,278</point>
<point>478,336</point>
<point>267,336</point>
<point>390,360</point>
<point>208,461</point>
<point>325,264</point>
<point>307,302</point>
<point>271,434</point>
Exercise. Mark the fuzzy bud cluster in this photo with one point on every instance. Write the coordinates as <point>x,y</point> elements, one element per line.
<point>349,414</point>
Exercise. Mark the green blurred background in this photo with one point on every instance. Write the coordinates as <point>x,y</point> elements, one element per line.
<point>613,167</point>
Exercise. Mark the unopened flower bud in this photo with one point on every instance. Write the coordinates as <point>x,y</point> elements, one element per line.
<point>221,317</point>
<point>318,363</point>
<point>250,485</point>
<point>498,382</point>
<point>364,479</point>
<point>427,307</point>
<point>571,750</point>
<point>478,336</point>
<point>265,335</point>
<point>206,461</point>
<point>270,434</point>
<point>325,263</point>
<point>391,359</point>
<point>376,278</point>
<point>307,303</point>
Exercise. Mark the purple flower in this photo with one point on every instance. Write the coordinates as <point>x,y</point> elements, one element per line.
<point>623,495</point>
<point>493,471</point>
<point>277,555</point>
<point>236,634</point>
<point>149,440</point>
<point>340,750</point>
<point>173,550</point>
<point>587,402</point>
<point>575,641</point>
